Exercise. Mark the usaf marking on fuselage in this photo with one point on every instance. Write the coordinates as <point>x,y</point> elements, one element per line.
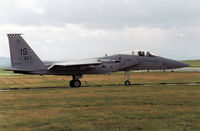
<point>25,61</point>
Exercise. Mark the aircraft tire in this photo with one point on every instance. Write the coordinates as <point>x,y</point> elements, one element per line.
<point>75,83</point>
<point>127,83</point>
<point>71,83</point>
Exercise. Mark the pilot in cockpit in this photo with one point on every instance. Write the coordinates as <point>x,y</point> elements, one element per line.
<point>149,54</point>
<point>141,53</point>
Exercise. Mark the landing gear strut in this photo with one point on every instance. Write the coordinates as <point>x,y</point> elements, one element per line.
<point>75,82</point>
<point>127,78</point>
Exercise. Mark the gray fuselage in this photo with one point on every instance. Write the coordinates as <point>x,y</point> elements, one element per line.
<point>115,63</point>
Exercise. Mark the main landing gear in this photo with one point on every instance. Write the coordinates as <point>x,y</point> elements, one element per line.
<point>75,82</point>
<point>127,78</point>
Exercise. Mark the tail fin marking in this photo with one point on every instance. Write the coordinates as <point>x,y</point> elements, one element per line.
<point>22,56</point>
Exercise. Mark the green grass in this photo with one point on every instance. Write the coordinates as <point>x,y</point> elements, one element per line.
<point>109,107</point>
<point>115,79</point>
<point>102,108</point>
<point>3,72</point>
<point>193,63</point>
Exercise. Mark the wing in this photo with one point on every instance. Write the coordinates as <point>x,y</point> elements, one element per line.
<point>74,65</point>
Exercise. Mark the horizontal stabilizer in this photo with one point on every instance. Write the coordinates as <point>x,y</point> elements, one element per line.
<point>15,69</point>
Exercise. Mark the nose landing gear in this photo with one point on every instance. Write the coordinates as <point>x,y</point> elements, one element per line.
<point>127,78</point>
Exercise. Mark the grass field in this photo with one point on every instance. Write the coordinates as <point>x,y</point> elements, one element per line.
<point>153,102</point>
<point>193,63</point>
<point>116,79</point>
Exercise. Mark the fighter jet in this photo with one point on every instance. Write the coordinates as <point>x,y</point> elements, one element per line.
<point>25,61</point>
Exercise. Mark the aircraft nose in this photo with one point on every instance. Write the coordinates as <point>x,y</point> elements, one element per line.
<point>177,64</point>
<point>173,64</point>
<point>181,65</point>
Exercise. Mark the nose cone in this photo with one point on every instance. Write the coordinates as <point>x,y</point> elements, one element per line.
<point>172,64</point>
<point>181,64</point>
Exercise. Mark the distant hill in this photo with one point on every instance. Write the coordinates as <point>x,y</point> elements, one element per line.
<point>193,63</point>
<point>5,62</point>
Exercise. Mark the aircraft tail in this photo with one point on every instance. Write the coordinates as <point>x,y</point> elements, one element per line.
<point>22,56</point>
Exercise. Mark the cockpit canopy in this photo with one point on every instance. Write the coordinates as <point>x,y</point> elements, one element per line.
<point>139,53</point>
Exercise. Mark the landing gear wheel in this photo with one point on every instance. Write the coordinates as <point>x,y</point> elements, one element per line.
<point>127,83</point>
<point>75,83</point>
<point>71,83</point>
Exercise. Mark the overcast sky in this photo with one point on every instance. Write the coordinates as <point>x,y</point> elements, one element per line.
<point>74,29</point>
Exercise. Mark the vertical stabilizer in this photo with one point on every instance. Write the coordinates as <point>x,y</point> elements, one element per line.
<point>22,56</point>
